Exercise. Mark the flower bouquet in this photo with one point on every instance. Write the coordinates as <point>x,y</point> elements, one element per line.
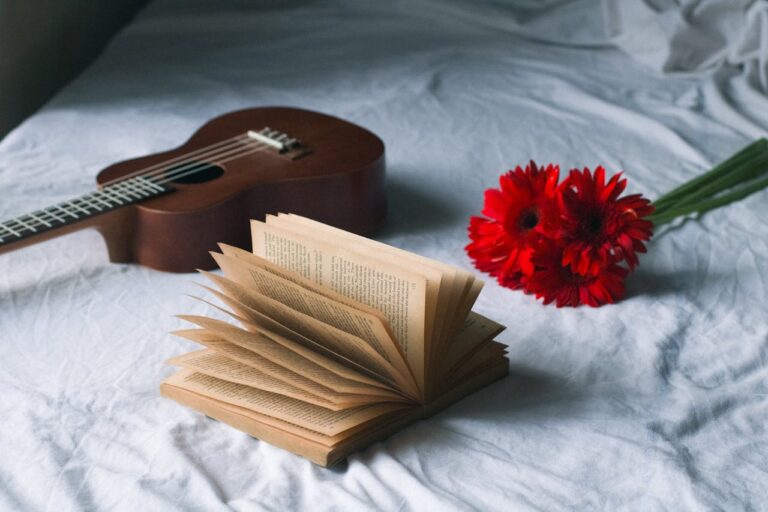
<point>574,241</point>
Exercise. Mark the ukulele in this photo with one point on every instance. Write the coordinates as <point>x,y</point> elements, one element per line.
<point>168,210</point>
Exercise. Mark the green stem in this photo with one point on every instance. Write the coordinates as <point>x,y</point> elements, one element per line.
<point>740,167</point>
<point>747,173</point>
<point>709,204</point>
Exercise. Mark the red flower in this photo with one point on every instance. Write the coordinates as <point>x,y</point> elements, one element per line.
<point>563,242</point>
<point>597,226</point>
<point>558,283</point>
<point>518,212</point>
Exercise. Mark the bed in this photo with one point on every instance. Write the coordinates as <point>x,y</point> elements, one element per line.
<point>656,403</point>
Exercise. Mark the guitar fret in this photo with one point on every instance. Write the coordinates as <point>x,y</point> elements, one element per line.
<point>86,199</point>
<point>10,229</point>
<point>5,229</point>
<point>114,195</point>
<point>53,215</point>
<point>119,188</point>
<point>66,212</point>
<point>139,186</point>
<point>75,206</point>
<point>97,196</point>
<point>42,221</point>
<point>19,220</point>
<point>151,184</point>
<point>144,187</point>
<point>46,216</point>
<point>130,190</point>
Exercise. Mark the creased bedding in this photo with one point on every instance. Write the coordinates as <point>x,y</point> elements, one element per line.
<point>695,35</point>
<point>656,403</point>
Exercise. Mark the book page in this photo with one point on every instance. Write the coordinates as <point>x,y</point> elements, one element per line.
<point>451,286</point>
<point>340,342</point>
<point>201,403</point>
<point>489,355</point>
<point>222,367</point>
<point>318,419</point>
<point>447,286</point>
<point>367,327</point>
<point>256,322</point>
<point>398,294</point>
<point>340,391</point>
<point>436,278</point>
<point>252,260</point>
<point>469,297</point>
<point>309,376</point>
<point>476,330</point>
<point>284,352</point>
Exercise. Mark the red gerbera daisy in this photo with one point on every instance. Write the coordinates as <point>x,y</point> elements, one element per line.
<point>517,211</point>
<point>558,283</point>
<point>597,226</point>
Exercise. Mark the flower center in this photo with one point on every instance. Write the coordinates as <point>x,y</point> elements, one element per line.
<point>594,223</point>
<point>575,279</point>
<point>528,219</point>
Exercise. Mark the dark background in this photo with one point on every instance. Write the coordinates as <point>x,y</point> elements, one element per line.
<point>45,43</point>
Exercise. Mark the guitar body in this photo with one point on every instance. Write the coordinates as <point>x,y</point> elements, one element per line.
<point>338,179</point>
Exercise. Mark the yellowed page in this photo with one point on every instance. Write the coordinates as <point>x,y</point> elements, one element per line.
<point>288,409</point>
<point>437,285</point>
<point>251,259</point>
<point>278,350</point>
<point>367,327</point>
<point>451,287</point>
<point>398,294</point>
<point>468,299</point>
<point>307,375</point>
<point>344,392</point>
<point>336,340</point>
<point>487,357</point>
<point>477,329</point>
<point>222,367</point>
<point>197,402</point>
<point>255,321</point>
<point>446,285</point>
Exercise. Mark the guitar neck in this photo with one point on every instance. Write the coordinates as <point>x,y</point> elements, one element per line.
<point>78,213</point>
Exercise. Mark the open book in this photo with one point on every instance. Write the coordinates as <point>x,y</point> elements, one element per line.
<point>340,342</point>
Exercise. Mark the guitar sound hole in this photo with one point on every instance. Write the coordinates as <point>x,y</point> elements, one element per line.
<point>190,173</point>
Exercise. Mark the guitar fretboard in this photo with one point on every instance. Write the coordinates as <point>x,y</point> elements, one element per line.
<point>108,198</point>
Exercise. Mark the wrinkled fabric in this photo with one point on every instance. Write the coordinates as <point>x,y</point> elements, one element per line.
<point>693,35</point>
<point>656,403</point>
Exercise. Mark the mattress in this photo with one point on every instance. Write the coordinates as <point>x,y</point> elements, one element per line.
<point>656,403</point>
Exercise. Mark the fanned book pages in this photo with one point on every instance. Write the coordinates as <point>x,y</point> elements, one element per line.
<point>336,341</point>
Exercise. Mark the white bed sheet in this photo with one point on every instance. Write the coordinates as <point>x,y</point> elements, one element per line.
<point>657,403</point>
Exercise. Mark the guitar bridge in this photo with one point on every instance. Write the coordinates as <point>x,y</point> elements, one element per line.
<point>282,143</point>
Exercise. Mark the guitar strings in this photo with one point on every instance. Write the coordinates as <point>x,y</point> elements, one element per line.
<point>186,165</point>
<point>174,177</point>
<point>37,219</point>
<point>200,153</point>
<point>88,199</point>
<point>184,169</point>
<point>197,165</point>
